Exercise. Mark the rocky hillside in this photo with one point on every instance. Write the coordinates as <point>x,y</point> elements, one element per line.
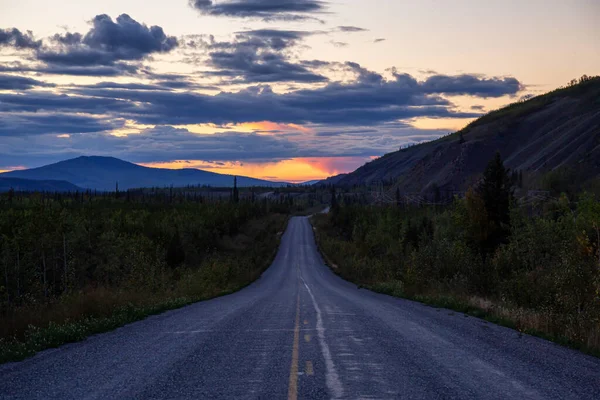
<point>556,131</point>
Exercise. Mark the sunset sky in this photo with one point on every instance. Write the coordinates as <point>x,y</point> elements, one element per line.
<point>289,90</point>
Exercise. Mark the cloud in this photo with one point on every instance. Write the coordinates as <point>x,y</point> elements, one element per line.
<point>478,108</point>
<point>38,124</point>
<point>58,103</point>
<point>472,85</point>
<point>167,143</point>
<point>379,40</point>
<point>13,82</point>
<point>18,40</point>
<point>346,28</point>
<point>261,56</point>
<point>261,9</point>
<point>107,43</point>
<point>117,69</point>
<point>370,100</point>
<point>338,44</point>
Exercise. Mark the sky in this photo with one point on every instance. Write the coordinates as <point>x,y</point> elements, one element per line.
<point>288,90</point>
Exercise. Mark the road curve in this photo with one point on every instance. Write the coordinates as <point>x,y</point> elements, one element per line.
<point>302,332</point>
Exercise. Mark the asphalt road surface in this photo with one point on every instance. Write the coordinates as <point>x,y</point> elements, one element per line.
<point>302,332</point>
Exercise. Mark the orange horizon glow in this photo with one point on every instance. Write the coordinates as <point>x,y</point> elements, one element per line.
<point>11,168</point>
<point>293,170</point>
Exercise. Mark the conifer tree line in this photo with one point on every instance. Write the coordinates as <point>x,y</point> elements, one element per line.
<point>541,266</point>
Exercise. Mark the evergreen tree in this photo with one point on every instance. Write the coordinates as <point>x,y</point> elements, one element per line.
<point>334,203</point>
<point>496,192</point>
<point>236,194</point>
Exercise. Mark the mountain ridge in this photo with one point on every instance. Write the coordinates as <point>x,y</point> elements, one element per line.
<point>31,185</point>
<point>104,173</point>
<point>560,129</point>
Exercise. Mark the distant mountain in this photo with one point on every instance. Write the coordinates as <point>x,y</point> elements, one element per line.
<point>558,131</point>
<point>102,173</point>
<point>29,185</point>
<point>309,183</point>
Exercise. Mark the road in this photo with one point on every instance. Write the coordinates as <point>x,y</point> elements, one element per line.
<point>302,332</point>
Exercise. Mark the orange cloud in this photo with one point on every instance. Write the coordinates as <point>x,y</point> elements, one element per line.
<point>246,127</point>
<point>272,126</point>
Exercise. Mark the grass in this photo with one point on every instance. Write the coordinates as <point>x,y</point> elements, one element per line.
<point>524,321</point>
<point>96,310</point>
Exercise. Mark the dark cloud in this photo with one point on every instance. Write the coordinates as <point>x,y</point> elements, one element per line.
<point>60,103</point>
<point>68,38</point>
<point>261,56</point>
<point>13,82</point>
<point>107,43</point>
<point>244,66</point>
<point>126,86</point>
<point>39,124</point>
<point>346,28</point>
<point>166,143</point>
<point>262,9</point>
<point>117,69</point>
<point>478,108</point>
<point>379,40</point>
<point>18,40</point>
<point>371,100</point>
<point>471,85</point>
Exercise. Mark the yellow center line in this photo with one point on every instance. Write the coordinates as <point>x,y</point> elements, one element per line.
<point>293,386</point>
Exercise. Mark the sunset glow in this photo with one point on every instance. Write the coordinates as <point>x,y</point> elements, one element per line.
<point>293,170</point>
<point>289,93</point>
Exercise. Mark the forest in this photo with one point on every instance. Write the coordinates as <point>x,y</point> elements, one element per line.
<point>533,268</point>
<point>73,264</point>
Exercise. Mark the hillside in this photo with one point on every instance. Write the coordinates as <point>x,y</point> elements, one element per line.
<point>29,185</point>
<point>558,130</point>
<point>102,173</point>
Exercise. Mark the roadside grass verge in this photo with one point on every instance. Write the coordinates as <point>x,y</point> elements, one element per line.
<point>525,321</point>
<point>72,318</point>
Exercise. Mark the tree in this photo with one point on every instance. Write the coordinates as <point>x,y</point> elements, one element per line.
<point>236,194</point>
<point>334,203</point>
<point>495,191</point>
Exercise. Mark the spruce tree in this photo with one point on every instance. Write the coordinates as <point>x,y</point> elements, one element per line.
<point>236,194</point>
<point>496,192</point>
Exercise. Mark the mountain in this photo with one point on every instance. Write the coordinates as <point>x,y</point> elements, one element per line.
<point>29,185</point>
<point>333,180</point>
<point>558,131</point>
<point>309,183</point>
<point>102,173</point>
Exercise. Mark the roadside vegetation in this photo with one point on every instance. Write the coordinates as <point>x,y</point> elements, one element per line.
<point>536,269</point>
<point>76,264</point>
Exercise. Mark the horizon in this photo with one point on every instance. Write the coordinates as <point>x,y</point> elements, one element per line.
<point>291,94</point>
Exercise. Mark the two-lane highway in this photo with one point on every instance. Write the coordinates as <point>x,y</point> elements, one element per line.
<point>302,332</point>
